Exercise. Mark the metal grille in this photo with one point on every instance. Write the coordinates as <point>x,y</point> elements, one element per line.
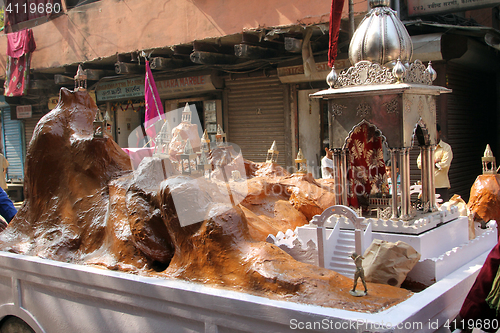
<point>13,146</point>
<point>256,116</point>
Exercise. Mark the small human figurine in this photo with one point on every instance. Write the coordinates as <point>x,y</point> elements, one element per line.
<point>360,273</point>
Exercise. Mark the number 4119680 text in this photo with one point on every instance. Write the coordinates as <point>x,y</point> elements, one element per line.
<point>33,8</point>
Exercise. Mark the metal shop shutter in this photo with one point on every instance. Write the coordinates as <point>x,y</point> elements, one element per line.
<point>256,116</point>
<point>472,123</point>
<point>29,127</point>
<point>13,146</point>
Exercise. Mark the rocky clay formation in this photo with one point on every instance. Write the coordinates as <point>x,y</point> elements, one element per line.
<point>484,200</point>
<point>85,205</point>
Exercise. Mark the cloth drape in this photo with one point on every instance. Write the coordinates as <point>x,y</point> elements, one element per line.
<point>335,16</point>
<point>20,45</point>
<point>366,164</point>
<point>475,306</point>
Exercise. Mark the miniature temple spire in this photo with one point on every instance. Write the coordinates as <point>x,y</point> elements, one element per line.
<point>220,137</point>
<point>187,158</point>
<point>186,114</point>
<point>272,153</point>
<point>489,161</point>
<point>301,162</point>
<point>80,79</point>
<point>205,142</point>
<point>204,167</point>
<point>162,139</point>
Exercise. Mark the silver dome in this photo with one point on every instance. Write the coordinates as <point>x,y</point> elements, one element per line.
<point>381,37</point>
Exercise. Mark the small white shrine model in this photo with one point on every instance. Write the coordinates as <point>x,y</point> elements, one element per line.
<point>489,161</point>
<point>396,101</point>
<point>272,154</point>
<point>186,114</point>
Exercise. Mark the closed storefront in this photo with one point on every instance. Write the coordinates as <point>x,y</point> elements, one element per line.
<point>123,102</point>
<point>13,139</point>
<point>256,117</point>
<point>471,123</point>
<point>29,127</point>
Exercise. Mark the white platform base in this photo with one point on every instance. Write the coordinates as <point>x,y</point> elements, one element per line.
<point>429,270</point>
<point>58,297</point>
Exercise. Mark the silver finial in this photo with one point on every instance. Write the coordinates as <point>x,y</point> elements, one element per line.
<point>431,72</point>
<point>399,71</point>
<point>381,37</point>
<point>379,3</point>
<point>332,77</point>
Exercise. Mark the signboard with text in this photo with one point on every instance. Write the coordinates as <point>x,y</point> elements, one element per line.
<point>121,89</point>
<point>134,88</point>
<point>23,111</point>
<point>196,83</point>
<point>426,7</point>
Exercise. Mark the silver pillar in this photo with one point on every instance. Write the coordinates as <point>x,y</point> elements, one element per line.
<point>394,175</point>
<point>424,175</point>
<point>404,169</point>
<point>337,174</point>
<point>432,190</point>
<point>344,177</point>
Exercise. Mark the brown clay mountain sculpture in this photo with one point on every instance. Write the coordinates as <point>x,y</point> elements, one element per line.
<point>85,205</point>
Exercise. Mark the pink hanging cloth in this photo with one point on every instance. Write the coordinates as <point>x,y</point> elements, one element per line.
<point>154,108</point>
<point>20,45</point>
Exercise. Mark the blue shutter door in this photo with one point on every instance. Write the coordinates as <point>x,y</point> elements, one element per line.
<point>13,146</point>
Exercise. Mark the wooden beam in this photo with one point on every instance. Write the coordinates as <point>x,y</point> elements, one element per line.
<point>159,63</point>
<point>183,50</point>
<point>41,84</point>
<point>208,47</point>
<point>97,74</point>
<point>210,58</point>
<point>127,68</point>
<point>63,80</point>
<point>253,52</point>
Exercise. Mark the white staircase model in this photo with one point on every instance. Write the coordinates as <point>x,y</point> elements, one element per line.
<point>341,261</point>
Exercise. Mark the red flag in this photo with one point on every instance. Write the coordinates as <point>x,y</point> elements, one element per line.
<point>154,108</point>
<point>335,16</point>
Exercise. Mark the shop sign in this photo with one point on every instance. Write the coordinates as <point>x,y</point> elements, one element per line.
<point>23,111</point>
<point>425,7</point>
<point>296,73</point>
<point>196,83</point>
<point>121,89</point>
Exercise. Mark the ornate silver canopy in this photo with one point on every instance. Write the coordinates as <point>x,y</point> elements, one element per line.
<point>381,37</point>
